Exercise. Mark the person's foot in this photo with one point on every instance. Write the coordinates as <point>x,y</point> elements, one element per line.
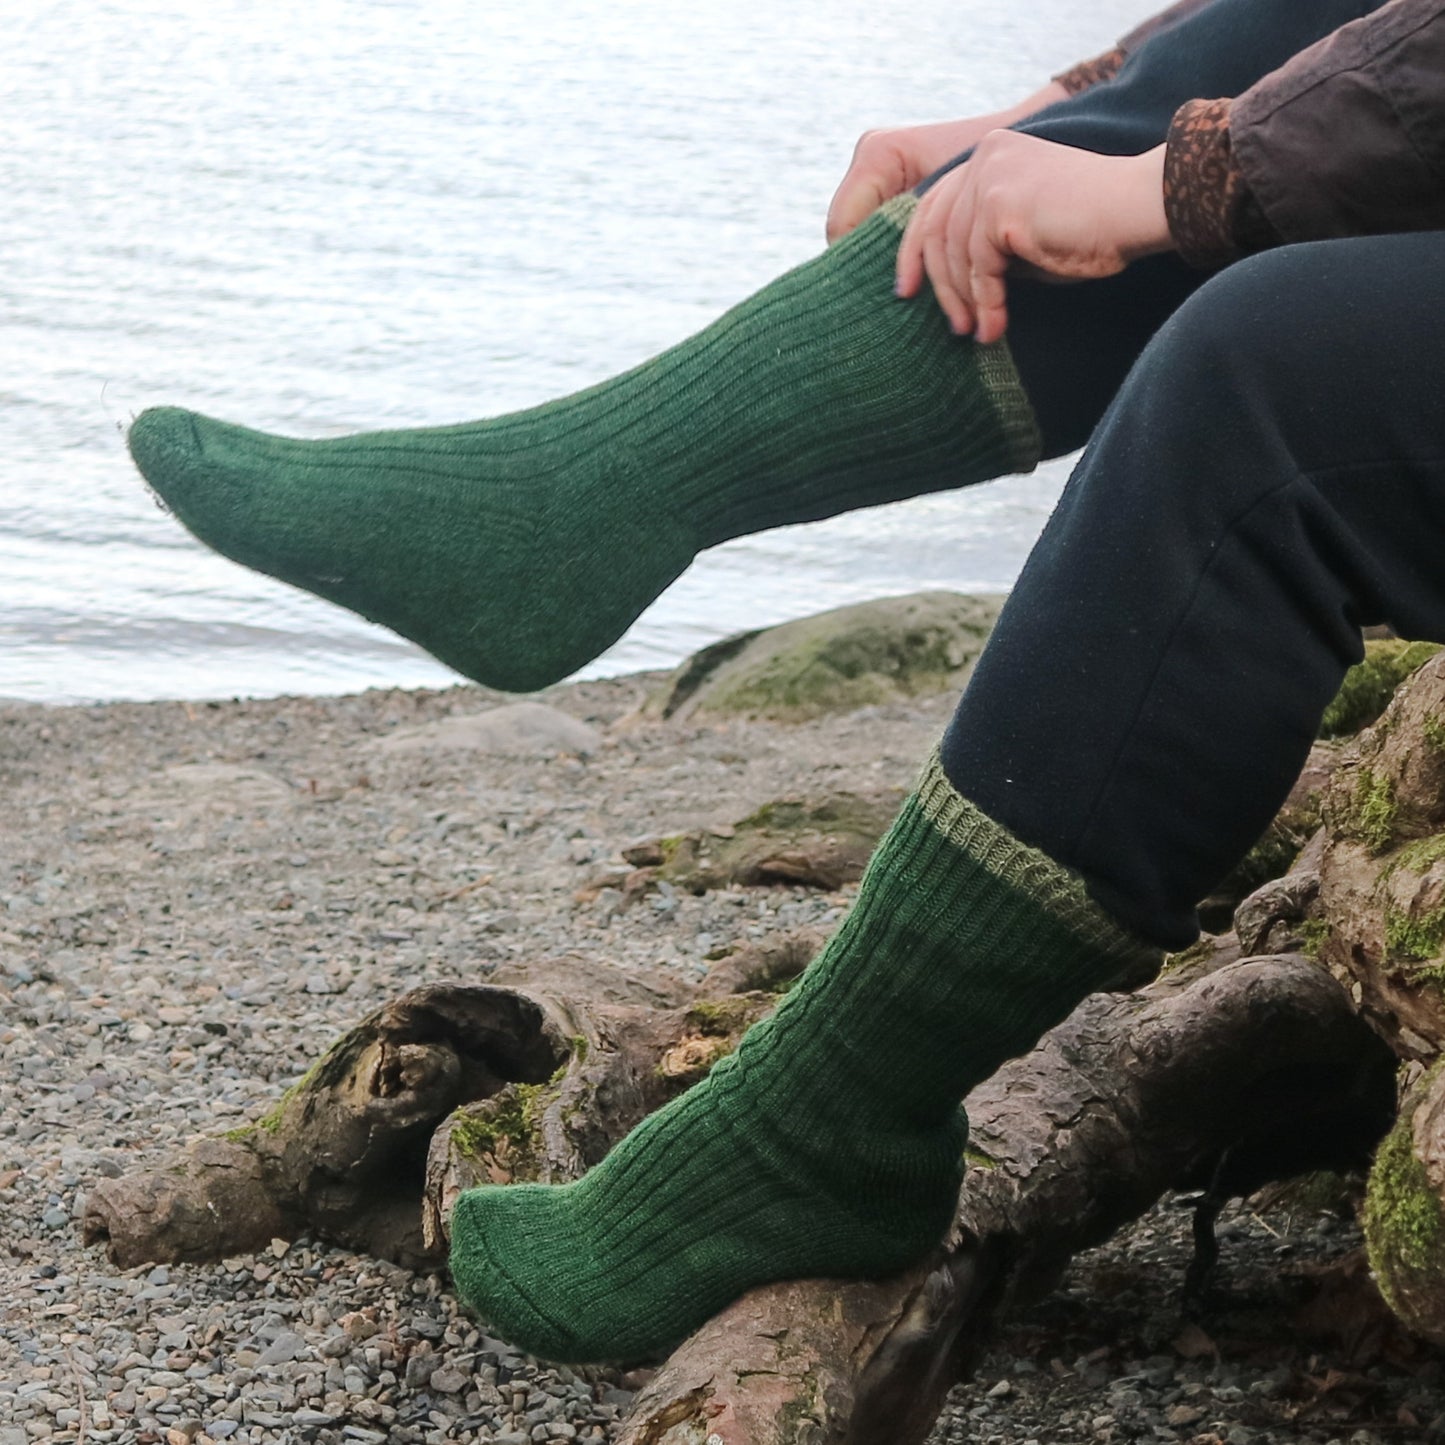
<point>518,549</point>
<point>831,1142</point>
<point>705,1199</point>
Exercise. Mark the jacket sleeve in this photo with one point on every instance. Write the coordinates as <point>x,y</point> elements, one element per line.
<point>1347,138</point>
<point>1088,73</point>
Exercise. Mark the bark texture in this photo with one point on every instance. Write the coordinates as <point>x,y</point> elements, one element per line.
<point>1368,897</point>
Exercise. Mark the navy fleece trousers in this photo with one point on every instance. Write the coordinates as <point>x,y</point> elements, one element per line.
<point>1265,474</point>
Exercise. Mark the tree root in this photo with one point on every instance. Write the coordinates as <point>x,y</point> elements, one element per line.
<point>1235,1072</point>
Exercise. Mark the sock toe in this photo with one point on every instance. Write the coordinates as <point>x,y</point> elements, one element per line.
<point>487,1285</point>
<point>166,446</point>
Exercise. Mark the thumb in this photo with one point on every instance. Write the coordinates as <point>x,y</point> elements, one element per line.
<point>857,197</point>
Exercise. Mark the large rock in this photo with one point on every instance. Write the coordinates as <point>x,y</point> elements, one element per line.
<point>1404,1216</point>
<point>872,652</point>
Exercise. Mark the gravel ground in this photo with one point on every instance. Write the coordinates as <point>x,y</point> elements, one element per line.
<point>195,898</point>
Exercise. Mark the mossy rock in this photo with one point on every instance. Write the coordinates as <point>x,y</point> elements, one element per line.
<point>1404,1218</point>
<point>812,842</point>
<point>1370,684</point>
<point>871,653</point>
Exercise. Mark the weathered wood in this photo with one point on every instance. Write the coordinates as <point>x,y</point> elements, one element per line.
<point>1224,1071</point>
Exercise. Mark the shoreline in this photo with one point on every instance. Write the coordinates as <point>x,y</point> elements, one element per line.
<point>195,898</point>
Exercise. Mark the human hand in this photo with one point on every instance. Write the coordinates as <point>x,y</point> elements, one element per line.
<point>1065,214</point>
<point>890,161</point>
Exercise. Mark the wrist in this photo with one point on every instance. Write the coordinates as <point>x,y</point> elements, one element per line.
<point>1145,223</point>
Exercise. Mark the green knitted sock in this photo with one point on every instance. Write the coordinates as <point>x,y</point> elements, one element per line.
<point>518,549</point>
<point>830,1143</point>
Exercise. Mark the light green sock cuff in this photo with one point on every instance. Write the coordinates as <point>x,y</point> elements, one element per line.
<point>1054,889</point>
<point>996,370</point>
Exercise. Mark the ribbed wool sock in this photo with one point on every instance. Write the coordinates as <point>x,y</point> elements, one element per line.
<point>518,549</point>
<point>830,1143</point>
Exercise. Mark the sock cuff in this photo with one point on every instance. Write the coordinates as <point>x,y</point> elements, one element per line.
<point>996,370</point>
<point>1055,889</point>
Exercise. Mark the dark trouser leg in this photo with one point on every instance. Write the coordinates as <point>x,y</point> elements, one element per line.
<point>1073,345</point>
<point>1270,478</point>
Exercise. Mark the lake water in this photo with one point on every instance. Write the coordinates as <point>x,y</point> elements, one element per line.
<point>329,216</point>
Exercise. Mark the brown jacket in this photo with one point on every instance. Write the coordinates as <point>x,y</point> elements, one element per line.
<point>1346,139</point>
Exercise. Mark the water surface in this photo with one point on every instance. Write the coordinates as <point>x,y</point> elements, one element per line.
<point>324,217</point>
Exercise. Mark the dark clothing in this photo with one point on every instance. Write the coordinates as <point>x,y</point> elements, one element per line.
<point>1270,478</point>
<point>1265,475</point>
<point>1345,139</point>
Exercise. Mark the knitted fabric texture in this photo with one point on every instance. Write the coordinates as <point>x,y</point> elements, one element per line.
<point>518,549</point>
<point>831,1142</point>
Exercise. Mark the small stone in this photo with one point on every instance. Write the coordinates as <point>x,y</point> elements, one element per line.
<point>448,1379</point>
<point>286,1347</point>
<point>1181,1416</point>
<point>1000,1391</point>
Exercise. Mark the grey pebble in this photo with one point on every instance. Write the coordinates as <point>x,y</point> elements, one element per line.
<point>285,1348</point>
<point>448,1379</point>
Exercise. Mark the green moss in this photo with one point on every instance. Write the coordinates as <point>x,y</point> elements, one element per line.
<point>504,1127</point>
<point>800,1417</point>
<point>1368,687</point>
<point>976,1159</point>
<point>1193,954</point>
<point>1313,933</point>
<point>1434,730</point>
<point>1374,811</point>
<point>1419,855</point>
<point>579,1052</point>
<point>1414,937</point>
<point>724,1017</point>
<point>1403,1221</point>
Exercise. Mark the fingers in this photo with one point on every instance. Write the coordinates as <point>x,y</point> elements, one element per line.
<point>988,261</point>
<point>935,247</point>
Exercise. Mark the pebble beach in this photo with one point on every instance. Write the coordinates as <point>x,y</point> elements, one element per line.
<point>196,898</point>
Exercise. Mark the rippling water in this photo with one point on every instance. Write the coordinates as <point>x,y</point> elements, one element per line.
<point>329,216</point>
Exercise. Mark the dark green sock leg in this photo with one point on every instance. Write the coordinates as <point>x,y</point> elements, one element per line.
<point>518,549</point>
<point>831,1142</point>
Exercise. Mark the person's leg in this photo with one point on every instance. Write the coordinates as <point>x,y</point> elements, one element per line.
<point>1271,476</point>
<point>518,549</point>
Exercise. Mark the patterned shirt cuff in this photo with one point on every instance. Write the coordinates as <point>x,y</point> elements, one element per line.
<point>1212,213</point>
<point>1089,73</point>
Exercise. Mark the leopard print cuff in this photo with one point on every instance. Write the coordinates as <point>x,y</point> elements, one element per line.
<point>1202,184</point>
<point>1089,73</point>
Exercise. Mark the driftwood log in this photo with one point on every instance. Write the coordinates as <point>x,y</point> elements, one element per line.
<point>1223,1074</point>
